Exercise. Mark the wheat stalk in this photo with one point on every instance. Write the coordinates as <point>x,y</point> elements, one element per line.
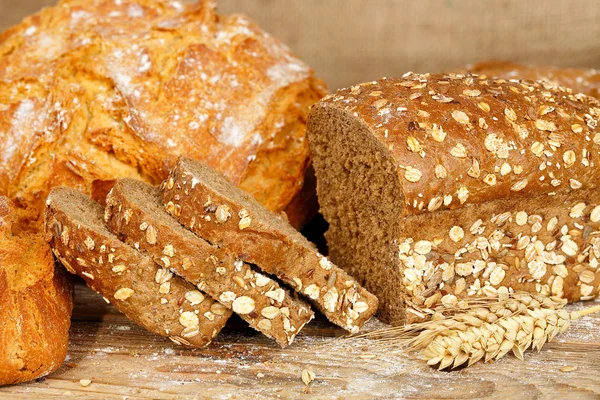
<point>483,329</point>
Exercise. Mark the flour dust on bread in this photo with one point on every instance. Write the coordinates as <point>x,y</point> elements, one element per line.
<point>134,211</point>
<point>92,91</point>
<point>97,90</point>
<point>36,299</point>
<point>210,206</point>
<point>437,187</point>
<point>146,293</point>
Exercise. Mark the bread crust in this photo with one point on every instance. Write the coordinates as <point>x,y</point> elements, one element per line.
<point>581,80</point>
<point>213,208</point>
<point>134,211</point>
<point>407,168</point>
<point>36,299</point>
<point>100,105</point>
<point>146,293</point>
<point>451,146</point>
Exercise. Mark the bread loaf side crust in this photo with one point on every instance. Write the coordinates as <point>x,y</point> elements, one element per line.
<point>147,294</point>
<point>216,210</point>
<point>36,299</point>
<point>581,80</point>
<point>540,245</point>
<point>135,212</point>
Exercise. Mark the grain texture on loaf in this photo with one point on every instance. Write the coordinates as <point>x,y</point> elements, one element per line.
<point>145,292</point>
<point>96,90</point>
<point>36,299</point>
<point>407,167</point>
<point>210,206</point>
<point>581,80</point>
<point>135,212</point>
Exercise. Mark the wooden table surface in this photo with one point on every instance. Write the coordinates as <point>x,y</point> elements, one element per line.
<point>126,362</point>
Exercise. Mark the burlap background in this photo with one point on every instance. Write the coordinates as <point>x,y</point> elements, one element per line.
<point>349,41</point>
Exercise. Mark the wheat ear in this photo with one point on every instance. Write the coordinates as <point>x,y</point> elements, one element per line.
<point>485,331</point>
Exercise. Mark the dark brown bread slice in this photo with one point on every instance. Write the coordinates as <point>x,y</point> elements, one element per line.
<point>134,210</point>
<point>147,294</point>
<point>209,205</point>
<point>406,166</point>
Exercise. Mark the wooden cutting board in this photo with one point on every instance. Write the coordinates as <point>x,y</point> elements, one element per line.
<point>125,361</point>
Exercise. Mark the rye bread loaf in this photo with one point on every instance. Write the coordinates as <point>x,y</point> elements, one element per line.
<point>146,293</point>
<point>209,205</point>
<point>437,186</point>
<point>581,80</point>
<point>36,299</point>
<point>135,212</point>
<point>96,90</point>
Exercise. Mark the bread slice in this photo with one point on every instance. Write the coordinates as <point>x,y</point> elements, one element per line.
<point>134,210</point>
<point>449,186</point>
<point>149,295</point>
<point>208,204</point>
<point>36,298</point>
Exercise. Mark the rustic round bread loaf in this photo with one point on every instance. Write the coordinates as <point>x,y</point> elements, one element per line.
<point>438,187</point>
<point>96,90</point>
<point>35,299</point>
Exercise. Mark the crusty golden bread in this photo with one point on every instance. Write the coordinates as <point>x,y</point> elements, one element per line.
<point>95,90</point>
<point>581,80</point>
<point>35,299</point>
<point>91,91</point>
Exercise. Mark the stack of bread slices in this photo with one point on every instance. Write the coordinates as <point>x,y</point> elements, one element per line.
<point>181,259</point>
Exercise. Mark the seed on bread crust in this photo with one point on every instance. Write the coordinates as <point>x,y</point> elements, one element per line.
<point>189,319</point>
<point>123,294</point>
<point>243,305</point>
<point>312,291</point>
<point>223,213</point>
<point>151,233</point>
<point>278,295</point>
<point>227,297</point>
<point>245,219</point>
<point>194,297</point>
<point>264,325</point>
<point>270,312</point>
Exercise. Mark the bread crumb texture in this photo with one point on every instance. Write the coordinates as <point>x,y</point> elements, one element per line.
<point>210,206</point>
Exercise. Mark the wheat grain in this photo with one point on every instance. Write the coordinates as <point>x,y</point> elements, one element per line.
<point>483,329</point>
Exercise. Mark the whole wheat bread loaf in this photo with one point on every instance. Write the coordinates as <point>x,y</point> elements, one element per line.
<point>438,187</point>
<point>135,212</point>
<point>212,207</point>
<point>146,293</point>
